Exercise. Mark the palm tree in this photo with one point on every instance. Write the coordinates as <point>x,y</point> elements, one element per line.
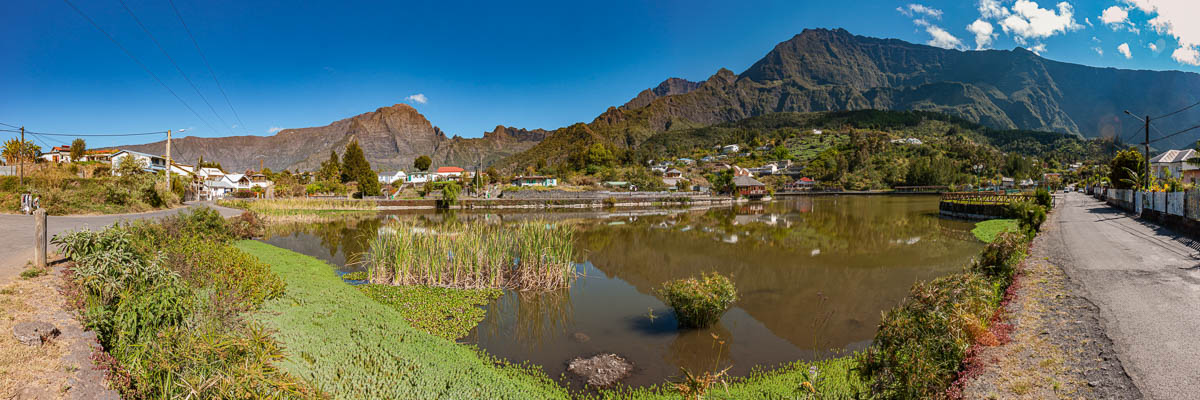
<point>17,152</point>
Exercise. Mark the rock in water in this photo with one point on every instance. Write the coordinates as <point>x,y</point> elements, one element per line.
<point>601,370</point>
<point>34,333</point>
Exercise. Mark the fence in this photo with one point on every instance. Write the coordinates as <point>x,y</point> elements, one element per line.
<point>1182,204</point>
<point>991,198</point>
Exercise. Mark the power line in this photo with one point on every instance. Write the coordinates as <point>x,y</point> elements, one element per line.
<point>10,126</point>
<point>1176,133</point>
<point>174,64</point>
<point>88,135</point>
<point>139,63</point>
<point>207,65</point>
<point>1179,110</point>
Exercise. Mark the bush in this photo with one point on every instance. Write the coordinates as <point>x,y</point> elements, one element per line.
<point>699,303</point>
<point>1044,199</point>
<point>1030,215</point>
<point>999,259</point>
<point>246,226</point>
<point>920,344</point>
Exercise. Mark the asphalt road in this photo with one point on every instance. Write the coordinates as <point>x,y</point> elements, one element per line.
<point>1146,282</point>
<point>16,233</point>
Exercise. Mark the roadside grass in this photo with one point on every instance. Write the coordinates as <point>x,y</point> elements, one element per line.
<point>448,313</point>
<point>168,300</point>
<point>986,231</point>
<point>62,191</point>
<point>351,346</point>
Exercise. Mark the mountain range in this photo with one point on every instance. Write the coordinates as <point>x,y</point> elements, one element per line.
<point>816,70</point>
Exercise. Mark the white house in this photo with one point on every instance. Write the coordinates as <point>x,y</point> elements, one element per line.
<point>386,178</point>
<point>1175,162</point>
<point>58,154</point>
<point>731,148</point>
<point>768,169</point>
<point>420,178</point>
<point>911,140</point>
<point>150,162</point>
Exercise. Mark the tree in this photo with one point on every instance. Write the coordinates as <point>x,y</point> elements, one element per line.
<point>781,153</point>
<point>330,169</point>
<point>492,175</point>
<point>130,165</point>
<point>422,163</point>
<point>1125,169</point>
<point>722,182</point>
<point>356,168</point>
<point>78,149</point>
<point>17,152</point>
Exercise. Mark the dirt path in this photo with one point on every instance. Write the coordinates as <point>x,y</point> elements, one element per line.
<point>16,233</point>
<point>1145,282</point>
<point>1058,347</point>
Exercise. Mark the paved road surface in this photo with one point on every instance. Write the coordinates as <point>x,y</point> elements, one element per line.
<point>16,233</point>
<point>1146,282</point>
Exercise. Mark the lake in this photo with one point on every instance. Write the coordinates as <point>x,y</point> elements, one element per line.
<point>813,275</point>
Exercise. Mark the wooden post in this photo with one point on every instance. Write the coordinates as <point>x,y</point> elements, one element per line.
<point>168,159</point>
<point>39,240</point>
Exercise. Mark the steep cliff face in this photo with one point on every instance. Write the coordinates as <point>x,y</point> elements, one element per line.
<point>392,137</point>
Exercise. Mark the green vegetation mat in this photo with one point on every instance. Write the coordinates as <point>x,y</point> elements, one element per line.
<point>986,231</point>
<point>449,313</point>
<point>834,378</point>
<point>350,346</point>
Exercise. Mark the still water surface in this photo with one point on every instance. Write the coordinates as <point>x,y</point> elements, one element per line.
<point>813,275</point>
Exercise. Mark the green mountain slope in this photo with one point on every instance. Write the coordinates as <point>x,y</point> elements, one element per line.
<point>823,70</point>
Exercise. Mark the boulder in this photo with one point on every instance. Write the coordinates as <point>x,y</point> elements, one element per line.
<point>34,333</point>
<point>601,370</point>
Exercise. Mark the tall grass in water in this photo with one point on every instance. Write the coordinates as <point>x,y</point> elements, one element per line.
<point>524,256</point>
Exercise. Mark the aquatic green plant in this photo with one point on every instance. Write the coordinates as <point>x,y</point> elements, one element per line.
<point>986,231</point>
<point>449,313</point>
<point>699,303</point>
<point>523,256</point>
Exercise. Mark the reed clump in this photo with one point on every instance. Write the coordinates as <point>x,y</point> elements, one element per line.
<point>524,256</point>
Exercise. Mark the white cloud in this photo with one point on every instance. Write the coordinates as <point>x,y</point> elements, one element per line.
<point>417,98</point>
<point>984,33</point>
<point>1153,47</point>
<point>1114,16</point>
<point>992,9</point>
<point>918,9</point>
<point>1037,48</point>
<point>921,22</point>
<point>1098,50</point>
<point>1175,18</point>
<point>1088,21</point>
<point>1029,21</point>
<point>1124,50</point>
<point>942,39</point>
<point>1186,55</point>
<point>274,129</point>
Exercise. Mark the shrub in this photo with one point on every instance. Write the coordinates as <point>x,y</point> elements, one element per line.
<point>246,226</point>
<point>699,302</point>
<point>1044,199</point>
<point>999,259</point>
<point>920,344</point>
<point>1030,215</point>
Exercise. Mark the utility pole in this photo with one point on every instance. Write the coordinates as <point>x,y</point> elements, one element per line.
<point>21,156</point>
<point>1147,180</point>
<point>168,159</point>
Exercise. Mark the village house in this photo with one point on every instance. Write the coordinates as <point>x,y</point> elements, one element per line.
<point>151,163</point>
<point>673,173</point>
<point>749,187</point>
<point>1175,163</point>
<point>420,178</point>
<point>58,154</point>
<point>259,180</point>
<point>535,180</point>
<point>455,173</point>
<point>386,178</point>
<point>99,155</point>
<point>730,148</point>
<point>804,183</point>
<point>911,140</point>
<point>768,169</point>
<point>183,169</point>
<point>1007,183</point>
<point>686,161</point>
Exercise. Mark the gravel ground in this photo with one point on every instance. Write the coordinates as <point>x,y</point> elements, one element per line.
<point>1061,344</point>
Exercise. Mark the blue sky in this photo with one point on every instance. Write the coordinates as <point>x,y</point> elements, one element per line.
<point>478,65</point>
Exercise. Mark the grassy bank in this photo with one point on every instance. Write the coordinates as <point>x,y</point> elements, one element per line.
<point>351,346</point>
<point>986,231</point>
<point>168,301</point>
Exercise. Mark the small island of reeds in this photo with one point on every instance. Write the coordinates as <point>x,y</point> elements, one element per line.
<point>522,256</point>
